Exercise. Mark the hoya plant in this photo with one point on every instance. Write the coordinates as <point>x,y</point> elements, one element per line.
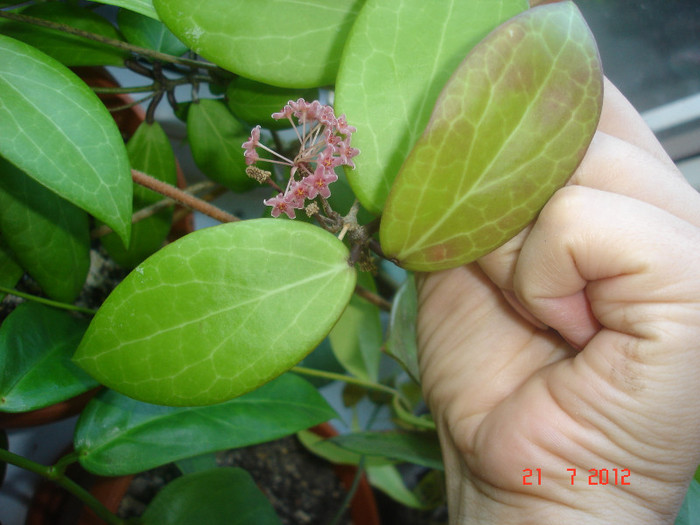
<point>394,136</point>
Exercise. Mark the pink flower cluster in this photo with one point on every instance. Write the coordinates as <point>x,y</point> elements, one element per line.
<point>324,141</point>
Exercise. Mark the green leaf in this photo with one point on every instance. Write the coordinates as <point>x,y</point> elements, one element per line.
<point>150,152</point>
<point>54,128</point>
<point>401,340</point>
<point>357,336</point>
<point>145,7</point>
<point>254,102</point>
<point>326,449</point>
<point>71,50</point>
<point>144,31</point>
<point>221,496</point>
<point>388,479</point>
<point>287,44</point>
<point>398,57</point>
<point>10,271</point>
<point>219,312</point>
<point>421,448</point>
<point>49,236</point>
<point>509,129</point>
<point>36,345</point>
<point>117,435</point>
<point>689,513</point>
<point>215,137</point>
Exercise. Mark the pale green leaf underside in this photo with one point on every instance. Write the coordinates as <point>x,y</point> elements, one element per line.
<point>398,57</point>
<point>219,312</point>
<point>54,128</point>
<point>508,130</point>
<point>282,43</point>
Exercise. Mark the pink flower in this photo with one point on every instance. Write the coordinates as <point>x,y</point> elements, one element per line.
<point>343,127</point>
<point>346,153</point>
<point>319,181</point>
<point>251,156</point>
<point>297,194</point>
<point>279,205</point>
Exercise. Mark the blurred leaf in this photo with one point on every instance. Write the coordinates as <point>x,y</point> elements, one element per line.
<point>10,271</point>
<point>509,129</point>
<point>219,312</point>
<point>401,340</point>
<point>288,44</point>
<point>150,152</point>
<point>326,449</point>
<point>48,236</point>
<point>55,129</point>
<point>322,358</point>
<point>221,496</point>
<point>689,513</point>
<point>117,435</point>
<point>388,479</point>
<point>144,31</point>
<point>145,7</point>
<point>71,50</point>
<point>197,463</point>
<point>421,448</point>
<point>255,102</point>
<point>357,336</point>
<point>215,137</point>
<point>4,445</point>
<point>36,345</point>
<point>399,55</point>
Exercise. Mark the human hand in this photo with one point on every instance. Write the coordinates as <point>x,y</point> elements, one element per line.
<point>575,346</point>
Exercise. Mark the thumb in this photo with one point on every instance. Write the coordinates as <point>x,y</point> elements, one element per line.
<point>597,259</point>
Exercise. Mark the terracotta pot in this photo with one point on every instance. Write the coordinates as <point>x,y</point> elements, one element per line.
<point>52,413</point>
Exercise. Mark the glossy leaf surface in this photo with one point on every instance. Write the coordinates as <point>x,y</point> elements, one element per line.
<point>398,57</point>
<point>54,128</point>
<point>220,496</point>
<point>219,312</point>
<point>144,31</point>
<point>118,435</point>
<point>401,337</point>
<point>255,102</point>
<point>150,152</point>
<point>286,44</point>
<point>48,235</point>
<point>36,345</point>
<point>145,7</point>
<point>70,50</point>
<point>509,129</point>
<point>215,137</point>
<point>421,448</point>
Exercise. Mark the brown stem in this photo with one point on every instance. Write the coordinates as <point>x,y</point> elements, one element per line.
<point>182,197</point>
<point>373,298</point>
<point>108,41</point>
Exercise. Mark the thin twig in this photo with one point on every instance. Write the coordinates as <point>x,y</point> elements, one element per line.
<point>156,55</point>
<point>373,298</point>
<point>182,197</point>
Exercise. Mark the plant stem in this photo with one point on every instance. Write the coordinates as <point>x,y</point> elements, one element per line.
<point>156,55</point>
<point>182,197</point>
<point>346,379</point>
<point>58,477</point>
<point>49,302</point>
<point>373,298</point>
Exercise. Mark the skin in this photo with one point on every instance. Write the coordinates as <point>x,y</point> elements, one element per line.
<point>575,346</point>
